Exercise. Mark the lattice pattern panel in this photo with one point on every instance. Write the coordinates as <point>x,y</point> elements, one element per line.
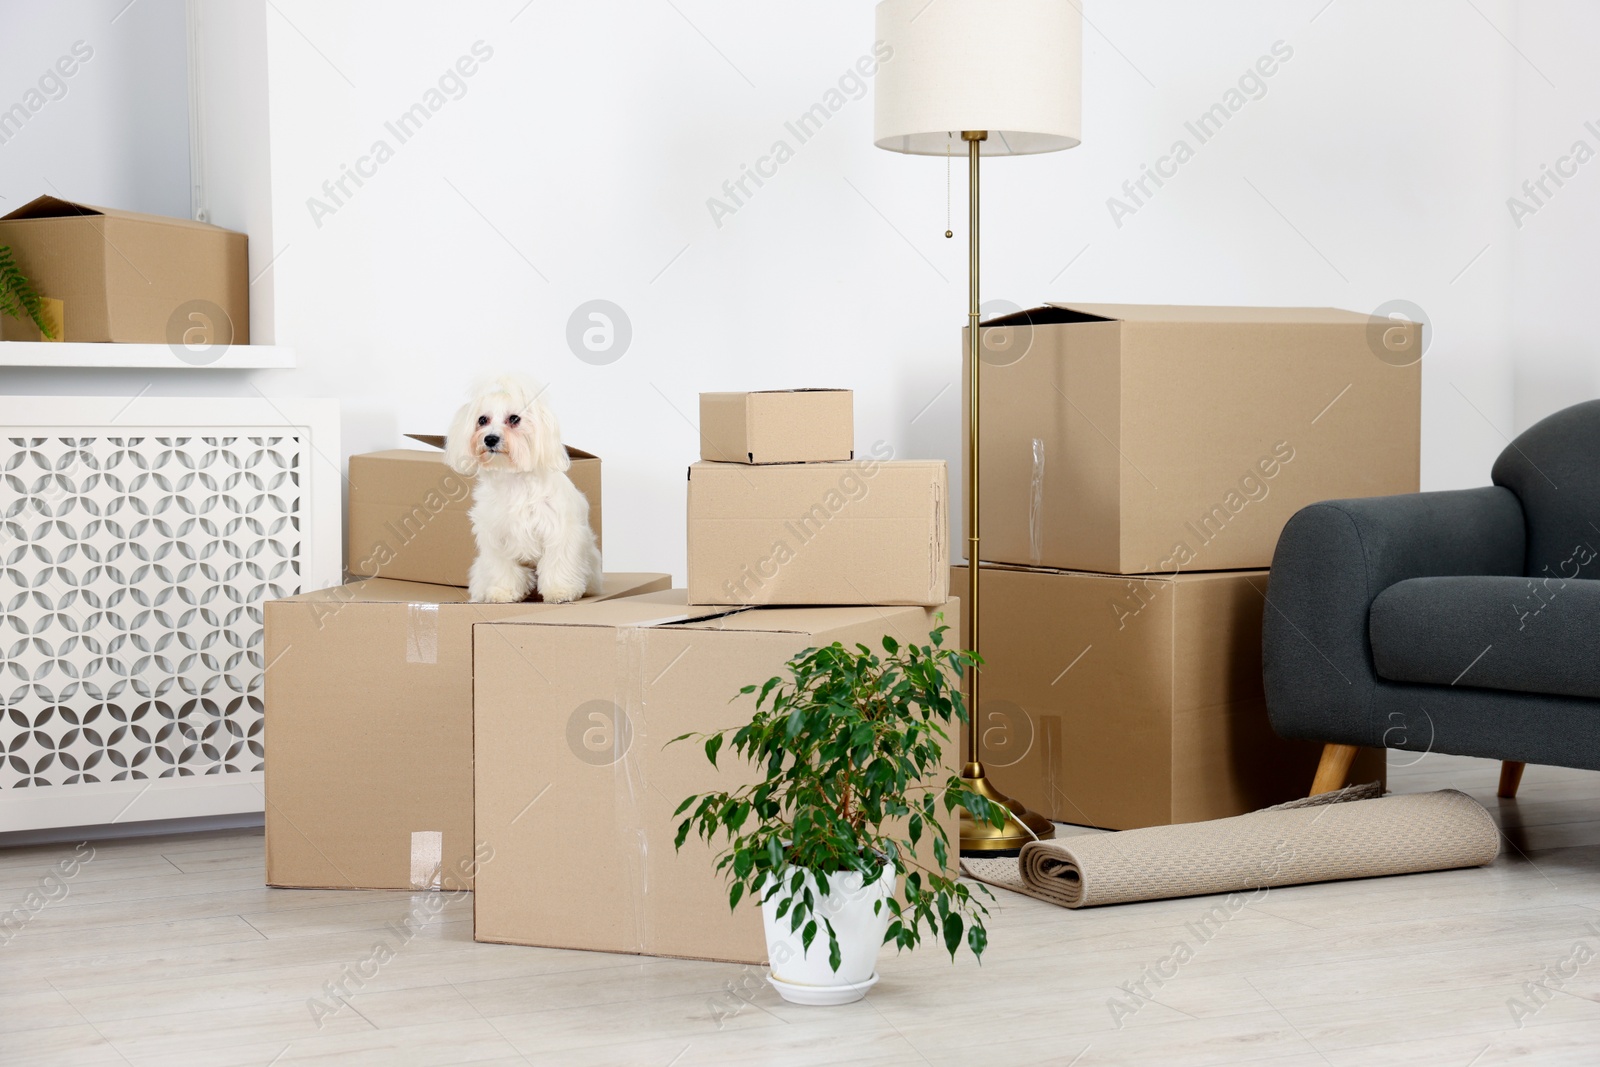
<point>132,576</point>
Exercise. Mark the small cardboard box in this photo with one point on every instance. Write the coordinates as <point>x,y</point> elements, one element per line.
<point>1125,702</point>
<point>576,785</point>
<point>368,696</point>
<point>778,426</point>
<point>1142,439</point>
<point>124,276</point>
<point>408,513</point>
<point>864,532</point>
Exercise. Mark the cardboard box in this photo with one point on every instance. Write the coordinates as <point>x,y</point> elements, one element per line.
<point>576,791</point>
<point>1125,702</point>
<point>1130,439</point>
<point>778,426</point>
<point>124,276</point>
<point>408,513</point>
<point>368,696</point>
<point>862,532</point>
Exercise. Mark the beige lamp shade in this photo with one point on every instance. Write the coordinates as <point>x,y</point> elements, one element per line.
<point>1010,67</point>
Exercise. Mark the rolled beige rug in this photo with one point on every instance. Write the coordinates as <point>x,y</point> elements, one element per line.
<point>1278,846</point>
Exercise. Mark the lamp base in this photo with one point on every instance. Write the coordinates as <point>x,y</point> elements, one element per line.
<point>980,839</point>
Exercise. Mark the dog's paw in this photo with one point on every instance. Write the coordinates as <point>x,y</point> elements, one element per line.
<point>560,595</point>
<point>496,595</point>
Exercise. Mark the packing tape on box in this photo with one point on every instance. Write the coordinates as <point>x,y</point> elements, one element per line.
<point>627,772</point>
<point>1036,504</point>
<point>422,633</point>
<point>427,859</point>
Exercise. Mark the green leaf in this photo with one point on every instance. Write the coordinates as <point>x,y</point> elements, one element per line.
<point>734,893</point>
<point>713,743</point>
<point>684,806</point>
<point>952,933</point>
<point>18,297</point>
<point>808,935</point>
<point>977,939</point>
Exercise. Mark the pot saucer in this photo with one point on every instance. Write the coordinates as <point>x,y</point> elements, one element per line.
<point>822,995</point>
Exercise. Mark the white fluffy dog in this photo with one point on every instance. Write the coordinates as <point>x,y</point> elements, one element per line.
<point>531,523</point>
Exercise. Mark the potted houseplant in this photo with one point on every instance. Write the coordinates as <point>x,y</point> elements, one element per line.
<point>17,296</point>
<point>849,742</point>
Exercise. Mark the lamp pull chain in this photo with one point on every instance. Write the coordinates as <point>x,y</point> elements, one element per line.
<point>948,232</point>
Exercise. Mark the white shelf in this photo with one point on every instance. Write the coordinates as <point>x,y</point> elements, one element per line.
<point>81,354</point>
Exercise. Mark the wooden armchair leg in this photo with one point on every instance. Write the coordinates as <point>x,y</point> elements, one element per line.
<point>1510,777</point>
<point>1334,769</point>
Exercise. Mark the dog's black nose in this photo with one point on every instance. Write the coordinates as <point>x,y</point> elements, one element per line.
<point>491,440</point>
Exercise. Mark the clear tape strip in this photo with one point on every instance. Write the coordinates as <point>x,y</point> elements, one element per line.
<point>422,633</point>
<point>1036,504</point>
<point>627,772</point>
<point>427,859</point>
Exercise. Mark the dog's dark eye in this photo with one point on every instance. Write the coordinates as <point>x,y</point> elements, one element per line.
<point>512,420</point>
<point>483,420</point>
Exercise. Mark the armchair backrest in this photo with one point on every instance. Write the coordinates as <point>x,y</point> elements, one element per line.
<point>1554,469</point>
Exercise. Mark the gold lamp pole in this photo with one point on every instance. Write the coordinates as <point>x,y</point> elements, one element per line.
<point>1023,825</point>
<point>1008,76</point>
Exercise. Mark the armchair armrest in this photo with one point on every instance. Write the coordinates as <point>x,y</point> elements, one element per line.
<point>1332,561</point>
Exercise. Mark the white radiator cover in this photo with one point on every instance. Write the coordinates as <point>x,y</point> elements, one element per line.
<point>136,552</point>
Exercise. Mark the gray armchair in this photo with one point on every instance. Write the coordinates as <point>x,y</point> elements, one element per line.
<point>1465,622</point>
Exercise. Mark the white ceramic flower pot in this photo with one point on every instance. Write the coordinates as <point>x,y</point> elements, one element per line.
<point>803,976</point>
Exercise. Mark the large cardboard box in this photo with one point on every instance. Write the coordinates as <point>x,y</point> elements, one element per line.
<point>1131,439</point>
<point>864,532</point>
<point>778,426</point>
<point>577,786</point>
<point>1124,702</point>
<point>124,276</point>
<point>408,513</point>
<point>368,696</point>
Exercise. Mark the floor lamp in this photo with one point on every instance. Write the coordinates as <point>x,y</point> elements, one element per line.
<point>997,78</point>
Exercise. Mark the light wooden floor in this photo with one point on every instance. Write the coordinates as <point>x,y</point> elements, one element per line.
<point>169,951</point>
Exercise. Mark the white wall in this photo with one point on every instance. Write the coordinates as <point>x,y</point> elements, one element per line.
<point>578,163</point>
<point>116,131</point>
<point>1557,339</point>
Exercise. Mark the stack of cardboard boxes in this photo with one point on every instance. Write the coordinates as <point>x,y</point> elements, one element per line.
<point>520,750</point>
<point>1138,464</point>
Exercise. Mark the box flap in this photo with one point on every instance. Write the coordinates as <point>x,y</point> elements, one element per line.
<point>798,620</point>
<point>1141,578</point>
<point>649,609</point>
<point>1173,313</point>
<point>50,207</point>
<point>614,584</point>
<point>436,440</point>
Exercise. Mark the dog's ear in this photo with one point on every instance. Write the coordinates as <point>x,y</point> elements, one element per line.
<point>546,452</point>
<point>458,441</point>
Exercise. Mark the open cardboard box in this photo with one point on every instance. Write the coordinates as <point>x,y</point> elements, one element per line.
<point>129,277</point>
<point>1142,439</point>
<point>368,695</point>
<point>409,513</point>
<point>576,791</point>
